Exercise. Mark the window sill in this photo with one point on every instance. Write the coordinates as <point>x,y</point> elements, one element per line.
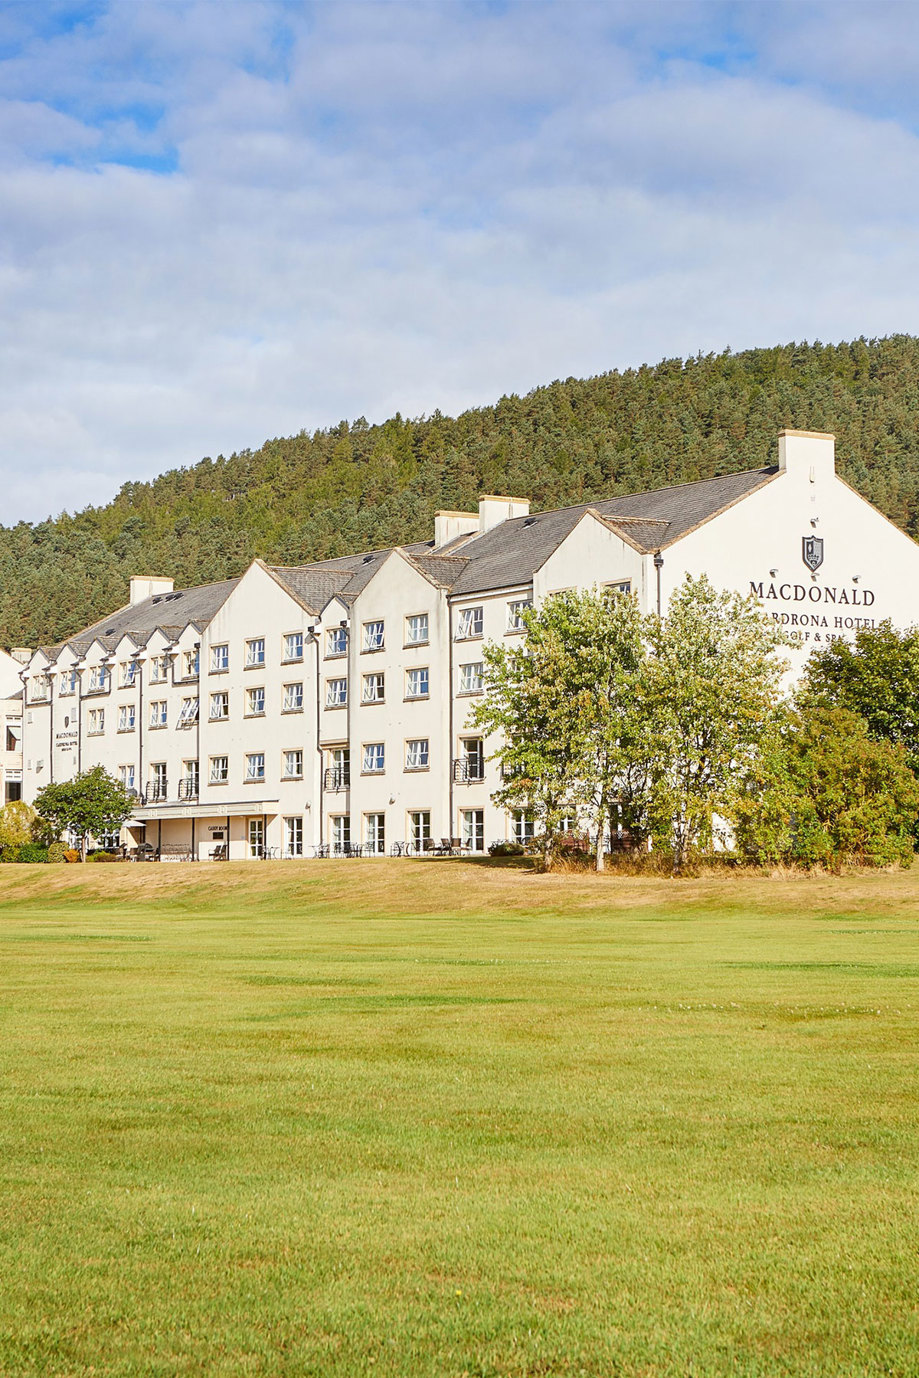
<point>292,710</point>
<point>410,645</point>
<point>287,778</point>
<point>331,707</point>
<point>371,650</point>
<point>469,693</point>
<point>416,770</point>
<point>515,631</point>
<point>124,730</point>
<point>219,670</point>
<point>335,655</point>
<point>256,665</point>
<point>254,780</point>
<point>416,698</point>
<point>223,719</point>
<point>476,636</point>
<point>218,782</point>
<point>259,714</point>
<point>96,732</point>
<point>292,660</point>
<point>372,703</point>
<point>373,772</point>
<point>158,726</point>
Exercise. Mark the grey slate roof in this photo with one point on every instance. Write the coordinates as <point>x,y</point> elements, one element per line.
<point>505,557</point>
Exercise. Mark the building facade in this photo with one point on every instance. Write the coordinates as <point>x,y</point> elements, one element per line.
<point>11,725</point>
<point>328,705</point>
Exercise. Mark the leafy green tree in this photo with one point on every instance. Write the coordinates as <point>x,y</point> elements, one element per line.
<point>90,804</point>
<point>877,677</point>
<point>710,685</point>
<point>17,821</point>
<point>562,703</point>
<point>823,792</point>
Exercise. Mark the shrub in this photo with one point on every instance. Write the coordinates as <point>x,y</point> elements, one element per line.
<point>8,854</point>
<point>31,853</point>
<point>56,853</point>
<point>71,854</point>
<point>104,856</point>
<point>506,849</point>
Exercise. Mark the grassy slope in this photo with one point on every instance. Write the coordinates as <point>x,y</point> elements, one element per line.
<point>433,1119</point>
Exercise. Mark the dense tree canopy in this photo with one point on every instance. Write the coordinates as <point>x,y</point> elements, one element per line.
<point>356,486</point>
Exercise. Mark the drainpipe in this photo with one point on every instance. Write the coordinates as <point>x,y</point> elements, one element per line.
<point>658,565</point>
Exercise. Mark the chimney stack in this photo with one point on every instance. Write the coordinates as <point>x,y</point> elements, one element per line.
<point>449,525</point>
<point>21,653</point>
<point>143,587</point>
<point>495,510</point>
<point>808,453</point>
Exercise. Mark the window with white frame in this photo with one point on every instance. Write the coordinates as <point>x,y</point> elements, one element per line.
<point>339,774</point>
<point>220,770</point>
<point>618,586</point>
<point>341,833</point>
<point>98,679</point>
<point>336,641</point>
<point>220,658</point>
<point>374,689</point>
<point>419,829</point>
<point>374,759</point>
<point>69,681</point>
<point>472,759</point>
<point>515,613</point>
<point>472,823</point>
<point>127,673</point>
<point>158,786</point>
<point>96,723</point>
<point>293,837</point>
<point>375,833</point>
<point>293,765</point>
<point>293,646</point>
<point>472,677</point>
<point>523,826</point>
<point>255,651</point>
<point>255,765</point>
<point>469,624</point>
<point>159,669</point>
<point>158,711</point>
<point>190,778</point>
<point>188,713</point>
<point>256,837</point>
<point>109,839</point>
<point>373,636</point>
<point>255,702</point>
<point>416,629</point>
<point>220,706</point>
<point>40,689</point>
<point>293,698</point>
<point>126,776</point>
<point>416,683</point>
<point>126,717</point>
<point>190,664</point>
<point>416,754</point>
<point>336,693</point>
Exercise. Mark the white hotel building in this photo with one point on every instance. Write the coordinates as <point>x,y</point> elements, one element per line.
<point>327,705</point>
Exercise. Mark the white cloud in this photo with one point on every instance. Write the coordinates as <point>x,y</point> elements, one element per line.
<point>406,207</point>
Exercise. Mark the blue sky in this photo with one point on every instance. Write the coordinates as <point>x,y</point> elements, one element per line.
<point>224,220</point>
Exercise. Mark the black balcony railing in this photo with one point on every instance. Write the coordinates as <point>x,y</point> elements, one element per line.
<point>156,792</point>
<point>339,777</point>
<point>468,769</point>
<point>188,788</point>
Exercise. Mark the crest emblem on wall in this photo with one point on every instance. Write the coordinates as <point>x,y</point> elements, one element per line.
<point>812,551</point>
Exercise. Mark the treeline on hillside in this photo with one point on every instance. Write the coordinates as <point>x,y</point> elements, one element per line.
<point>357,486</point>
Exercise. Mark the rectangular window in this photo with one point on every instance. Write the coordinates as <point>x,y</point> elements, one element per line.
<point>293,765</point>
<point>473,829</point>
<point>523,826</point>
<point>341,833</point>
<point>220,770</point>
<point>39,690</point>
<point>158,709</point>
<point>416,629</point>
<point>98,679</point>
<point>374,689</point>
<point>96,722</point>
<point>126,717</point>
<point>293,698</point>
<point>128,674</point>
<point>416,683</point>
<point>69,682</point>
<point>472,678</point>
<point>255,765</point>
<point>374,758</point>
<point>255,702</point>
<point>338,776</point>
<point>220,658</point>
<point>515,613</point>
<point>158,788</point>
<point>419,826</point>
<point>293,646</point>
<point>188,785</point>
<point>336,693</point>
<point>220,706</point>
<point>189,712</point>
<point>255,652</point>
<point>619,586</point>
<point>469,624</point>
<point>126,775</point>
<point>336,641</point>
<point>471,764</point>
<point>256,838</point>
<point>373,636</point>
<point>190,664</point>
<point>416,754</point>
<point>375,833</point>
<point>293,837</point>
<point>159,669</point>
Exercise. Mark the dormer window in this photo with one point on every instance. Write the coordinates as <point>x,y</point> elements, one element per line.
<point>69,681</point>
<point>336,641</point>
<point>159,669</point>
<point>98,679</point>
<point>190,664</point>
<point>128,676</point>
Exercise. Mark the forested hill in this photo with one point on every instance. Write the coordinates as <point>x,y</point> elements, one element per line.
<point>358,486</point>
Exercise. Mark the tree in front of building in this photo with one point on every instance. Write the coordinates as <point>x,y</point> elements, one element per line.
<point>823,792</point>
<point>563,704</point>
<point>875,676</point>
<point>90,804</point>
<point>710,685</point>
<point>17,824</point>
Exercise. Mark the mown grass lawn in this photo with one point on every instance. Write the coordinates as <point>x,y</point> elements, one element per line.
<point>429,1118</point>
